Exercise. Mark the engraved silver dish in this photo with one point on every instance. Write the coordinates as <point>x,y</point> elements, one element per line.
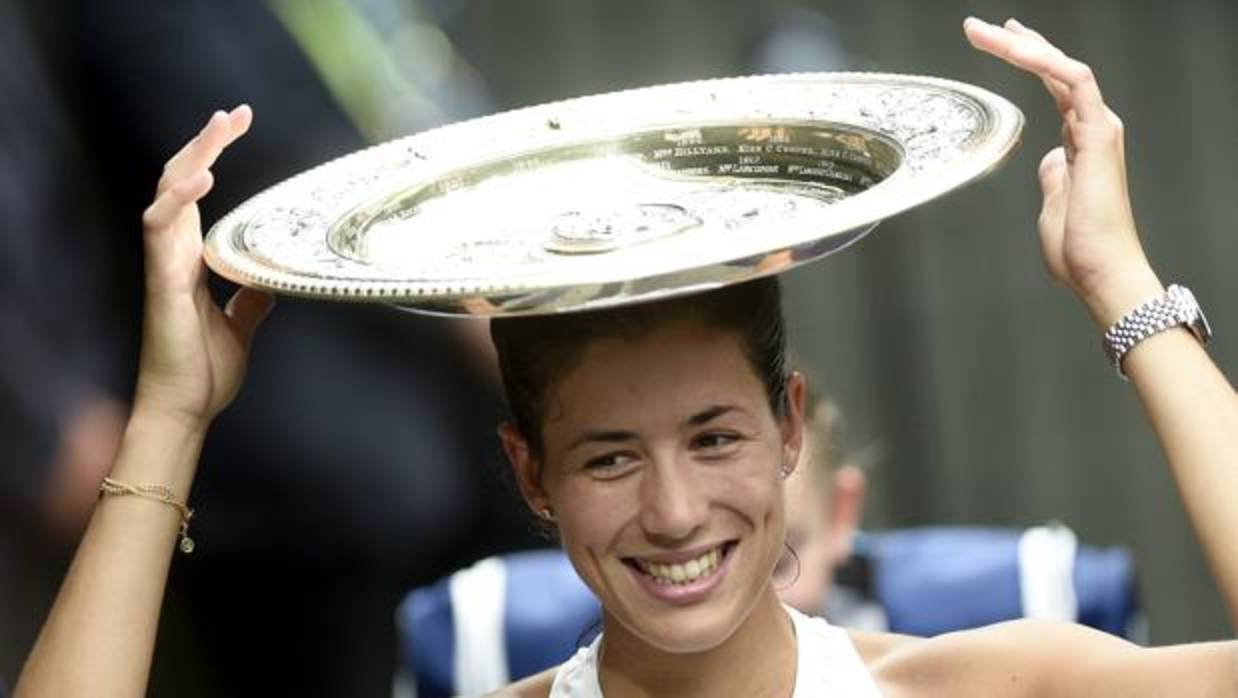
<point>617,197</point>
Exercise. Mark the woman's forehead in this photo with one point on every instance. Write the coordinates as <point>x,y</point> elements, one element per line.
<point>680,367</point>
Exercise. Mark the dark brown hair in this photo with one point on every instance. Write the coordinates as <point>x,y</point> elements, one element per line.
<point>537,352</point>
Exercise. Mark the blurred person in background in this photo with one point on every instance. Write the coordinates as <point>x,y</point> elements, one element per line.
<point>825,504</point>
<point>362,466</point>
<point>59,414</point>
<point>61,411</point>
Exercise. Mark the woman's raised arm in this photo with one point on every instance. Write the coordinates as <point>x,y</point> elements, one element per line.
<point>100,635</point>
<point>1089,241</point>
<point>1090,244</point>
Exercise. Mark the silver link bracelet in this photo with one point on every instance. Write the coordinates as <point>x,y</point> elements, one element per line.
<point>1177,307</point>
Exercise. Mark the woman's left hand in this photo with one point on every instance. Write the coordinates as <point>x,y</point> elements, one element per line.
<point>1087,230</point>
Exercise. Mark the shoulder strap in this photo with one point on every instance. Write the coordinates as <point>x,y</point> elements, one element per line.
<point>827,663</point>
<point>578,676</point>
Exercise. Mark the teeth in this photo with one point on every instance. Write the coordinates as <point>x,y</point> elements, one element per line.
<point>681,573</point>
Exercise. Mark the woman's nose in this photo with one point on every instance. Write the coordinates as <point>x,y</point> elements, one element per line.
<point>673,505</point>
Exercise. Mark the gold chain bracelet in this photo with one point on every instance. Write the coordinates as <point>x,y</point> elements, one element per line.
<point>156,493</point>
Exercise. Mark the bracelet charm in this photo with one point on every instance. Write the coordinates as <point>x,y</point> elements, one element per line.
<point>156,493</point>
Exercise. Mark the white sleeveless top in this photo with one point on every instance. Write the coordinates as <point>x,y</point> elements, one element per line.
<point>827,664</point>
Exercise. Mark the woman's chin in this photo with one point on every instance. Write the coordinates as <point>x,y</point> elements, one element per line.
<point>689,631</point>
<point>687,617</point>
<point>683,603</point>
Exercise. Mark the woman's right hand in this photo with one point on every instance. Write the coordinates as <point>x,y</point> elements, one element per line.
<point>193,352</point>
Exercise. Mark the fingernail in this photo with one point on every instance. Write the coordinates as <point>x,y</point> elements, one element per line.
<point>1012,22</point>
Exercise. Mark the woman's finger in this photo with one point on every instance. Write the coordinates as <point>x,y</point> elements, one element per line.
<point>1054,175</point>
<point>196,150</point>
<point>1058,90</point>
<point>1018,27</point>
<point>1069,123</point>
<point>1044,60</point>
<point>171,203</point>
<point>201,152</point>
<point>247,308</point>
<point>1054,178</point>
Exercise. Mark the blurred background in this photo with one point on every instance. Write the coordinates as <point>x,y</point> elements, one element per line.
<point>360,460</point>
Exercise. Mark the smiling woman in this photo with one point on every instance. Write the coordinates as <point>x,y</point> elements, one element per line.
<point>657,438</point>
<point>659,435</point>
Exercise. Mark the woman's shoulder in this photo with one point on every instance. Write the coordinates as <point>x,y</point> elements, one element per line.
<point>535,686</point>
<point>1008,659</point>
<point>873,646</point>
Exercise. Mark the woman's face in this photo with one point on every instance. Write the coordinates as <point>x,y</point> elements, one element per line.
<point>662,465</point>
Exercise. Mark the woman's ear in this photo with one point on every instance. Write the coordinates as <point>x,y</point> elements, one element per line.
<point>525,469</point>
<point>793,422</point>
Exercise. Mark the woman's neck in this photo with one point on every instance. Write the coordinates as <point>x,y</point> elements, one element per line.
<point>759,658</point>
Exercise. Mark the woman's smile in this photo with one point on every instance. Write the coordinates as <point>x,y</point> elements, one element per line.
<point>682,578</point>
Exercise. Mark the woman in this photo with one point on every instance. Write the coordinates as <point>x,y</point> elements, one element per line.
<point>658,448</point>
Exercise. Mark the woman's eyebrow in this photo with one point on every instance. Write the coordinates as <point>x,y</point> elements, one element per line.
<point>709,414</point>
<point>602,436</point>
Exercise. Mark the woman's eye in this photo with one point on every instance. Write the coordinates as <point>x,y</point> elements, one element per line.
<point>714,441</point>
<point>610,463</point>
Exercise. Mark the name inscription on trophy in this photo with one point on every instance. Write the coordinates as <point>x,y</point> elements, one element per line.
<point>843,158</point>
<point>668,187</point>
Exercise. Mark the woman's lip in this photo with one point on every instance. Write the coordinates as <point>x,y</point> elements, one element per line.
<point>679,557</point>
<point>692,592</point>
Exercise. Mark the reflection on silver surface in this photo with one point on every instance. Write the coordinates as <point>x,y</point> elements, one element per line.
<point>618,197</point>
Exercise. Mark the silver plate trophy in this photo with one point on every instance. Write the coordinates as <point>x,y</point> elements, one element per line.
<point>618,197</point>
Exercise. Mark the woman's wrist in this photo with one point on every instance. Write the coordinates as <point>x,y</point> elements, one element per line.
<point>174,421</point>
<point>160,448</point>
<point>1121,292</point>
<point>162,400</point>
